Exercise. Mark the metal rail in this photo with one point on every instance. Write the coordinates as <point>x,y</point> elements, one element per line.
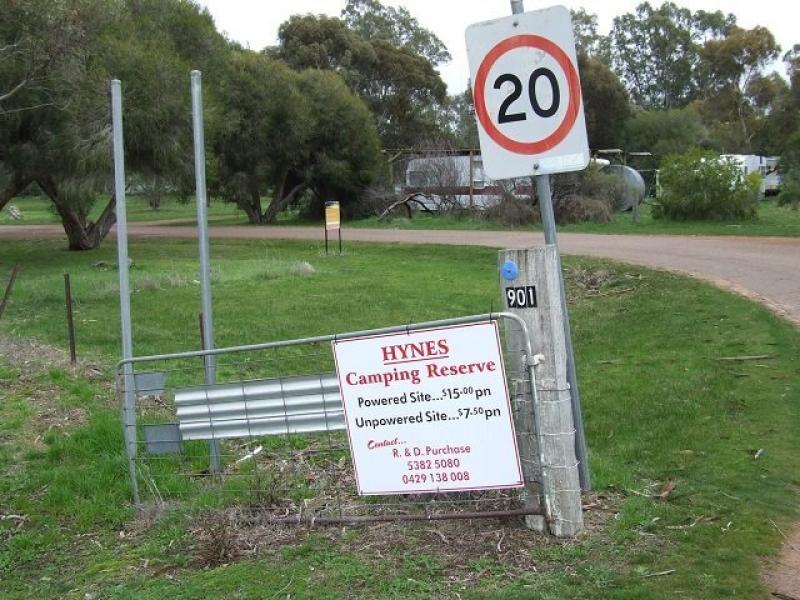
<point>368,519</point>
<point>336,337</point>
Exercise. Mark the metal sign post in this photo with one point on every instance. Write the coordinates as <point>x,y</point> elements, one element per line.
<point>540,132</point>
<point>202,236</point>
<point>548,220</point>
<point>129,398</point>
<point>333,222</point>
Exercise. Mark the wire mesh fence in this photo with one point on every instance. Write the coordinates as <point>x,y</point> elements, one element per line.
<point>262,428</point>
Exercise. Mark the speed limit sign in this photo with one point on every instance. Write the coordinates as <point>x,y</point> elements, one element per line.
<point>527,94</point>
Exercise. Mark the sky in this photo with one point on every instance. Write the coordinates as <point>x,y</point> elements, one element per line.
<point>254,23</point>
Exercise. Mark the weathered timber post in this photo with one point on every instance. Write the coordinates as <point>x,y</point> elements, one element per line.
<point>536,297</point>
<point>9,287</point>
<point>73,357</point>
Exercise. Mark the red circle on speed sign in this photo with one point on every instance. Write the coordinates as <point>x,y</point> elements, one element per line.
<point>573,83</point>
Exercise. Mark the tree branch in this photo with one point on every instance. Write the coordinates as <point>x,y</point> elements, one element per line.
<point>24,108</point>
<point>279,203</point>
<point>14,90</point>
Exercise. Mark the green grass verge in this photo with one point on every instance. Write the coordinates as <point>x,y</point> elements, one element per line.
<point>772,220</point>
<point>658,405</point>
<point>37,210</point>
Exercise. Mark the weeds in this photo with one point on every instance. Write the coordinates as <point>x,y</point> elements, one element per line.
<point>217,541</point>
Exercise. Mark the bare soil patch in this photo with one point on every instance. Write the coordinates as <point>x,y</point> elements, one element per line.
<point>31,360</point>
<point>781,575</point>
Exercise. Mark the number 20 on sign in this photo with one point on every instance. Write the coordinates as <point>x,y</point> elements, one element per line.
<point>527,94</point>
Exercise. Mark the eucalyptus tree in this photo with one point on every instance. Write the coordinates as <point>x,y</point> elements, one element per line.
<point>373,20</point>
<point>656,51</point>
<point>262,145</point>
<point>55,128</point>
<point>588,42</point>
<point>606,104</point>
<point>399,85</point>
<point>33,67</point>
<point>665,132</point>
<point>737,94</point>
<point>285,132</point>
<point>783,120</point>
<point>345,150</point>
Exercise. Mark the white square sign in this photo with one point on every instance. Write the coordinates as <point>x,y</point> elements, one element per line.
<point>428,411</point>
<point>527,94</point>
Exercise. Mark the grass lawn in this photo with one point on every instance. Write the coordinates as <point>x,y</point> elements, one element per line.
<point>658,406</point>
<point>772,220</point>
<point>36,210</point>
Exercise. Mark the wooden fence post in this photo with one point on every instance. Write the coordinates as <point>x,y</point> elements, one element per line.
<point>535,295</point>
<point>70,319</point>
<point>9,287</point>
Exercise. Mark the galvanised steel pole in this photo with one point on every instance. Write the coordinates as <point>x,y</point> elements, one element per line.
<point>544,194</point>
<point>202,236</point>
<point>129,393</point>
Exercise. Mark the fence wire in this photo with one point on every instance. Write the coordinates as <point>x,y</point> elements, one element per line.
<point>269,437</point>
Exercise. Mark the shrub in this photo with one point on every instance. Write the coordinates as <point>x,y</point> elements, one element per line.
<point>698,185</point>
<point>511,212</point>
<point>590,182</point>
<point>583,209</point>
<point>587,196</point>
<point>375,200</point>
<point>603,185</point>
<point>572,209</point>
<point>790,190</point>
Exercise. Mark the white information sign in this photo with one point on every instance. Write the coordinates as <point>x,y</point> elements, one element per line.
<point>527,94</point>
<point>428,411</point>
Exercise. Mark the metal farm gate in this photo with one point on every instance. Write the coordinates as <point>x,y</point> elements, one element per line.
<point>270,435</point>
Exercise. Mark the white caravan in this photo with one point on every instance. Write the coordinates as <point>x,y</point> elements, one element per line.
<point>455,181</point>
<point>766,166</point>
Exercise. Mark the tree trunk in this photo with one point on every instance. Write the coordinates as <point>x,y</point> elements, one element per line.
<point>15,186</point>
<point>252,209</point>
<point>155,194</point>
<point>279,203</point>
<point>80,235</point>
